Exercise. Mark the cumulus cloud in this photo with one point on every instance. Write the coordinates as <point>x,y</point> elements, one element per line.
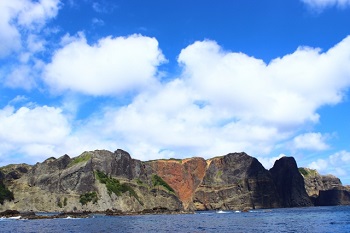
<point>21,24</point>
<point>321,4</point>
<point>226,101</point>
<point>311,141</point>
<point>337,164</point>
<point>25,14</point>
<point>32,131</point>
<point>109,67</point>
<point>284,93</point>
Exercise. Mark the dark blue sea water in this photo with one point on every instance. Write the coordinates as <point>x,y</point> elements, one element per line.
<point>313,219</point>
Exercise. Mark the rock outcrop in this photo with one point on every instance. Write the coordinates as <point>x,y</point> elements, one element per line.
<point>236,181</point>
<point>113,181</point>
<point>66,184</point>
<point>314,182</point>
<point>290,183</point>
<point>325,190</point>
<point>335,196</point>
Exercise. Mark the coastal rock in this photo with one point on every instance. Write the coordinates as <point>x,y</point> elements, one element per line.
<point>71,184</point>
<point>236,181</point>
<point>314,182</point>
<point>290,183</point>
<point>100,180</point>
<point>335,196</point>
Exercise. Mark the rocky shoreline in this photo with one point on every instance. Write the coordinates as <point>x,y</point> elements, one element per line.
<point>14,214</point>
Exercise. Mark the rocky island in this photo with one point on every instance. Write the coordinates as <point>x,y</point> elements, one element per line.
<point>115,183</point>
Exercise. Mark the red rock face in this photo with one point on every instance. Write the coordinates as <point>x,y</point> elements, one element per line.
<point>184,176</point>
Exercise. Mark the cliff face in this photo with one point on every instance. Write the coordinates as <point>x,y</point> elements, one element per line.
<point>236,181</point>
<point>184,176</point>
<point>101,180</point>
<point>335,196</point>
<point>314,182</point>
<point>66,184</point>
<point>290,183</point>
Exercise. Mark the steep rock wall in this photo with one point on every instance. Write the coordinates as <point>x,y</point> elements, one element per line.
<point>290,183</point>
<point>184,176</point>
<point>236,181</point>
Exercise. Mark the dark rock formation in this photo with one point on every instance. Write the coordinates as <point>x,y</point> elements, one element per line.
<point>325,190</point>
<point>290,183</point>
<point>236,181</point>
<point>336,196</point>
<point>9,213</point>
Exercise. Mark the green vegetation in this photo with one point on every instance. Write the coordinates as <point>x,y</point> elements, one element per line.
<point>139,182</point>
<point>177,160</point>
<point>88,197</point>
<point>5,194</point>
<point>156,180</point>
<point>84,157</point>
<point>307,172</point>
<point>59,204</point>
<point>114,186</point>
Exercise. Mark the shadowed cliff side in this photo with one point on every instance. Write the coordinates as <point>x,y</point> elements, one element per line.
<point>236,181</point>
<point>290,183</point>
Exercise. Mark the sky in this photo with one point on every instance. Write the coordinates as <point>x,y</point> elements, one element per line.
<point>177,79</point>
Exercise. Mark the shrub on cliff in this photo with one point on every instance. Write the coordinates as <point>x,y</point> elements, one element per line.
<point>5,194</point>
<point>88,197</point>
<point>157,180</point>
<point>114,186</point>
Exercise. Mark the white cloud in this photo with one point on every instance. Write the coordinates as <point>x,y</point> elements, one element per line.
<point>110,67</point>
<point>284,93</point>
<point>25,14</point>
<point>320,165</point>
<point>225,102</point>
<point>340,158</point>
<point>311,141</point>
<point>33,132</point>
<point>337,164</point>
<point>322,4</point>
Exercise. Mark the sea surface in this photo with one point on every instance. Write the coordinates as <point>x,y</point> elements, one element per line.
<point>313,219</point>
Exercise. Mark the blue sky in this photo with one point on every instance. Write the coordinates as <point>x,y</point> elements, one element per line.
<point>164,79</point>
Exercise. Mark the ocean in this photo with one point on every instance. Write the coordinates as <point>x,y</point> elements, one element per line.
<point>312,219</point>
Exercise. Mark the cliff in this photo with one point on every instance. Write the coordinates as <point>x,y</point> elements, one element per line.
<point>102,180</point>
<point>325,190</point>
<point>94,181</point>
<point>290,183</point>
<point>236,181</point>
<point>314,182</point>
